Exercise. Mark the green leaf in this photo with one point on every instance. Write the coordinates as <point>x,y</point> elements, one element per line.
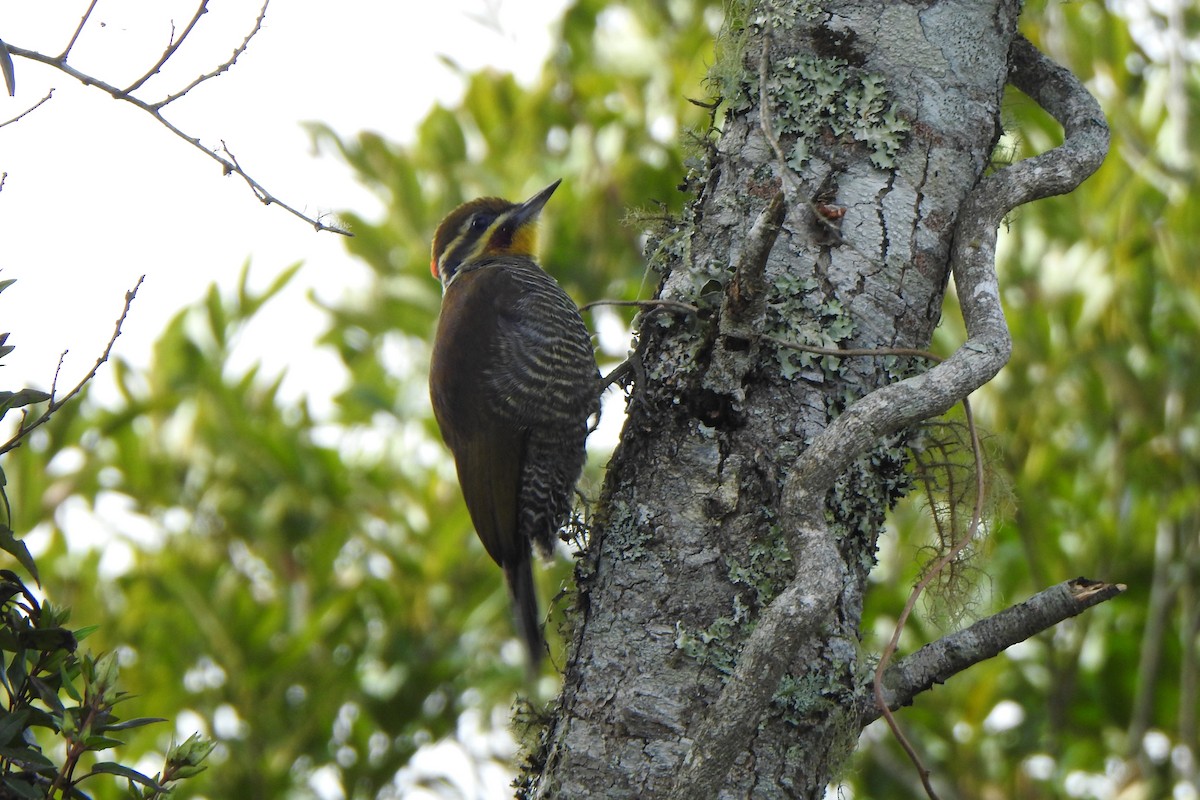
<point>190,752</point>
<point>188,772</point>
<point>4,674</point>
<point>24,397</point>
<point>17,549</point>
<point>11,724</point>
<point>47,639</point>
<point>280,282</point>
<point>101,742</point>
<point>133,723</point>
<point>218,323</point>
<point>85,631</point>
<point>443,131</point>
<point>27,757</point>
<point>68,685</point>
<point>47,694</point>
<point>15,787</point>
<point>112,768</point>
<point>16,673</point>
<point>9,588</point>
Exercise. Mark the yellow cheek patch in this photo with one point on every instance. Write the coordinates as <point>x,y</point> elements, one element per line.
<point>522,243</point>
<point>525,240</point>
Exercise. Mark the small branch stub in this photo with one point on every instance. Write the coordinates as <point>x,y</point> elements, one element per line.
<point>938,661</point>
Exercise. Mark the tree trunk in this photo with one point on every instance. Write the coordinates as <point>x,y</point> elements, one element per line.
<point>727,563</point>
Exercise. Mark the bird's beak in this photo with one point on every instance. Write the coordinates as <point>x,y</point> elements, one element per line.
<point>528,211</point>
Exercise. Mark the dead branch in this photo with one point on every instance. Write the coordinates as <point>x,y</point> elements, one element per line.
<point>29,110</point>
<point>154,109</point>
<point>937,662</point>
<point>744,306</point>
<point>222,67</point>
<point>172,47</point>
<point>57,403</point>
<point>78,30</point>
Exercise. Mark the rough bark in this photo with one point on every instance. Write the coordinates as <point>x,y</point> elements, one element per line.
<point>716,652</point>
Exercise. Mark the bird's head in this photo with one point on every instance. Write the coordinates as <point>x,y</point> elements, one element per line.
<point>486,226</point>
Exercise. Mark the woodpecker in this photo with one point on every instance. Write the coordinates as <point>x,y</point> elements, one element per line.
<point>513,380</point>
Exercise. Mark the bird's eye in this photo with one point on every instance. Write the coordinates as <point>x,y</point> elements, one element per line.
<point>480,222</point>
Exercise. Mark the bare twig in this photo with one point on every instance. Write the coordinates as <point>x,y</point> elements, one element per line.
<point>668,305</point>
<point>744,306</point>
<point>223,67</point>
<point>786,175</point>
<point>7,69</point>
<point>78,30</point>
<point>745,295</point>
<point>172,47</point>
<point>62,357</point>
<point>155,109</point>
<point>18,117</point>
<point>56,404</point>
<point>855,351</point>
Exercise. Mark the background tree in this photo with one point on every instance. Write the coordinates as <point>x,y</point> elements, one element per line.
<point>255,498</point>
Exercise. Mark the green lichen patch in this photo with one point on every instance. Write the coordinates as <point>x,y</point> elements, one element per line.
<point>799,311</point>
<point>813,96</point>
<point>714,646</point>
<point>768,568</point>
<point>800,697</point>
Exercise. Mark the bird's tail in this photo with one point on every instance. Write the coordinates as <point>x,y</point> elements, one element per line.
<point>524,600</point>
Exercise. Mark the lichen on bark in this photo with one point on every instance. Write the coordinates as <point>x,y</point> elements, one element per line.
<point>885,130</point>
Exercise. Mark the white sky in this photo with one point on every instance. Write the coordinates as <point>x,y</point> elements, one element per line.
<point>98,193</point>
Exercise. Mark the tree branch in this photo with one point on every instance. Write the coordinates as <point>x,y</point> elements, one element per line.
<point>937,662</point>
<point>801,608</point>
<point>223,67</point>
<point>29,110</point>
<point>228,165</point>
<point>78,30</point>
<point>172,47</point>
<point>57,403</point>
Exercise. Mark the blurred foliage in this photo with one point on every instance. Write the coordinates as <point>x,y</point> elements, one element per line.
<point>307,600</point>
<point>1097,423</point>
<point>309,591</point>
<point>56,704</point>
